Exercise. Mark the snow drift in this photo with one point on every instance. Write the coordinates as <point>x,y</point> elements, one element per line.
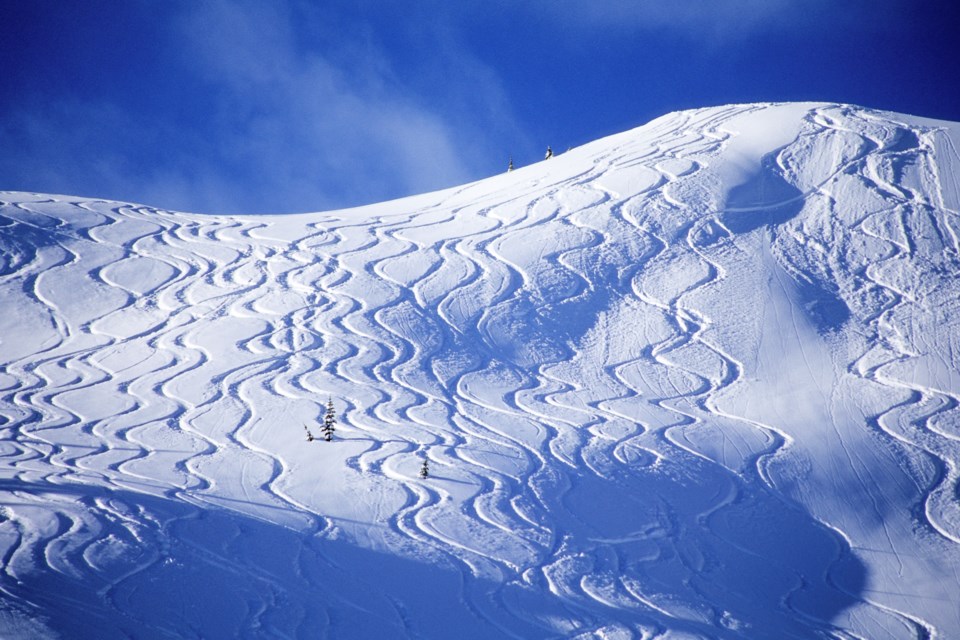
<point>696,380</point>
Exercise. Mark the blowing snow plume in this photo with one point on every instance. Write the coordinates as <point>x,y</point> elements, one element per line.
<point>696,380</point>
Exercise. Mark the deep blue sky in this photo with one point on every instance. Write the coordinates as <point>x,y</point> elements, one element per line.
<point>266,106</point>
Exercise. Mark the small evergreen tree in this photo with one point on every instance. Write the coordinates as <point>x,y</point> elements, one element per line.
<point>329,421</point>
<point>424,469</point>
<point>510,165</point>
<point>309,435</point>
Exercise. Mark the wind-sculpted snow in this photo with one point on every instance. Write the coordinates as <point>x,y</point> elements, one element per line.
<point>696,380</point>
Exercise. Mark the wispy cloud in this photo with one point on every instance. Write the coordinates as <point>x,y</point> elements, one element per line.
<point>288,108</point>
<point>321,126</point>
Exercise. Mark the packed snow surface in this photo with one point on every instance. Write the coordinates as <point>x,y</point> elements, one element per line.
<point>696,380</point>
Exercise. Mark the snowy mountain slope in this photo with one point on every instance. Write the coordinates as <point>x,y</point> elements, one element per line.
<point>696,380</point>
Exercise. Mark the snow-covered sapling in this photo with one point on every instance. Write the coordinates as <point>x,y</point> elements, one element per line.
<point>309,435</point>
<point>329,421</point>
<point>424,469</point>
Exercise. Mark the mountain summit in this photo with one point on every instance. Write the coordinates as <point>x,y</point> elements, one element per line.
<point>695,380</point>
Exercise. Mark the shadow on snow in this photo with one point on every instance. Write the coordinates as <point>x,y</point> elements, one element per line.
<point>768,200</point>
<point>138,565</point>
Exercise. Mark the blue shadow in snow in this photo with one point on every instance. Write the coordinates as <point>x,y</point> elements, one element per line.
<point>748,565</point>
<point>823,304</point>
<point>763,200</point>
<point>144,566</point>
<point>20,243</point>
<point>768,200</point>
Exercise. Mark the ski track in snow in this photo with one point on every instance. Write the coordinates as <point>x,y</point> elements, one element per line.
<point>546,341</point>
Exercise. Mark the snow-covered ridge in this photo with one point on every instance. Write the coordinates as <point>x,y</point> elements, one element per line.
<point>695,380</point>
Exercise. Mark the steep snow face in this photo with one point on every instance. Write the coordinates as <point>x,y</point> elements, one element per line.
<point>696,380</point>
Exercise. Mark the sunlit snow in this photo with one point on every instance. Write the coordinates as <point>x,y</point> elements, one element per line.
<point>696,380</point>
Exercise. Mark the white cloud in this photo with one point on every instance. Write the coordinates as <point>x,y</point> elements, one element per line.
<point>290,108</point>
<point>337,126</point>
